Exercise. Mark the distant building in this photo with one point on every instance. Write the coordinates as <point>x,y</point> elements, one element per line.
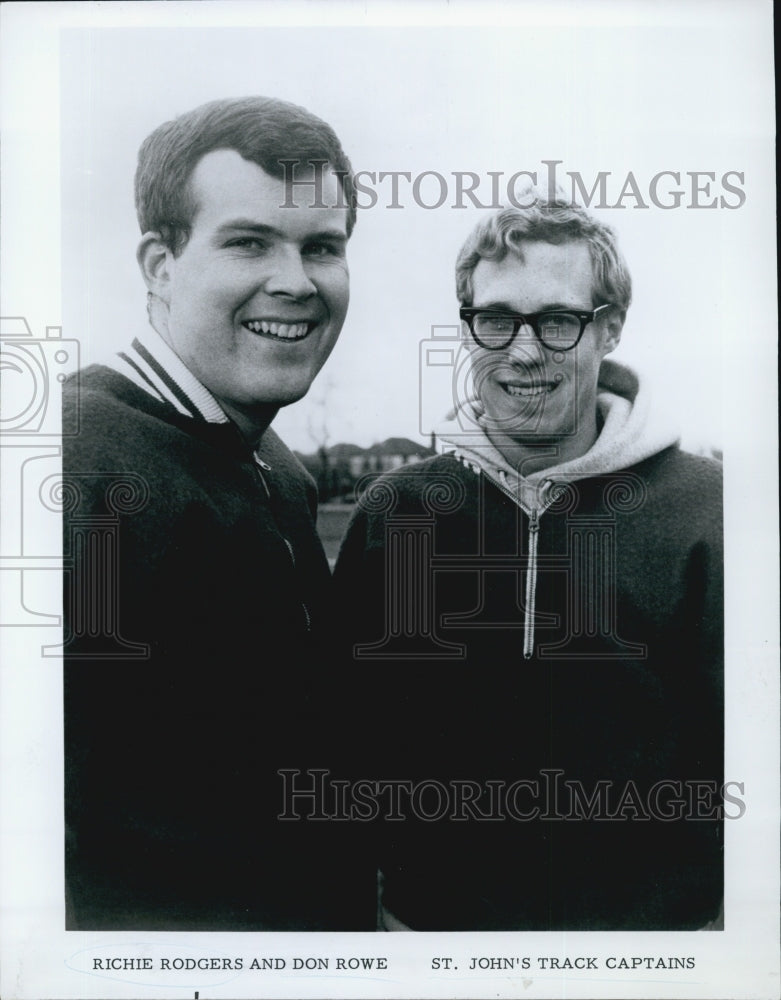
<point>338,469</point>
<point>388,455</point>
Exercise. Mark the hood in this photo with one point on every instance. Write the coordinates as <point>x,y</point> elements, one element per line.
<point>631,432</point>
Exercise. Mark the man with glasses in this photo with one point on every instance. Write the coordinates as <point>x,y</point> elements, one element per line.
<point>541,607</point>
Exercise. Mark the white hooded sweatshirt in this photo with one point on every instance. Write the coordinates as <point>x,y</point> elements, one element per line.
<point>630,433</point>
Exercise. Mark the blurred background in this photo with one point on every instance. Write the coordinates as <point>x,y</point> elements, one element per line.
<point>600,93</point>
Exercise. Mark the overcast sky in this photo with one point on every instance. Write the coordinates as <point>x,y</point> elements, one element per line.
<point>603,91</point>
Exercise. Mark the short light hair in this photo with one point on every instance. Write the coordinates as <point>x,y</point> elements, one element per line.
<point>557,221</point>
<point>264,130</point>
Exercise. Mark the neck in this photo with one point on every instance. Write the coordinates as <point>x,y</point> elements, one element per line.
<point>533,455</point>
<point>252,421</point>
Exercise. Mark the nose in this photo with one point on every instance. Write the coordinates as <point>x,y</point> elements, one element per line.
<point>288,275</point>
<point>525,345</point>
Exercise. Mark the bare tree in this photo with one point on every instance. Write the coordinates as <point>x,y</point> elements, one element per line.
<point>318,430</point>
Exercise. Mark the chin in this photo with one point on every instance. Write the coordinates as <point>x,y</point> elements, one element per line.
<point>526,424</point>
<point>285,396</point>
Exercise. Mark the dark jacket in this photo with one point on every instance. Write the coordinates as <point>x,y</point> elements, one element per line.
<point>591,752</point>
<point>196,612</point>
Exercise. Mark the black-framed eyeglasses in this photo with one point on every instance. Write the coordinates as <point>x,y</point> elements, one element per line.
<point>556,329</point>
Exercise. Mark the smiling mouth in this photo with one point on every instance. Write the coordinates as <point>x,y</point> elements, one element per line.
<point>528,389</point>
<point>275,330</point>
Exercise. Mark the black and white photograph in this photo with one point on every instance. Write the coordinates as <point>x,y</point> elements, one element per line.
<point>390,545</point>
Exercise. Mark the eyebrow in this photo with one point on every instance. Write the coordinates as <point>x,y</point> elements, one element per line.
<point>549,307</point>
<point>251,226</point>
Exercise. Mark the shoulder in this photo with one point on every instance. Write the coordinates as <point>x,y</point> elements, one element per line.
<point>681,502</point>
<point>110,423</point>
<point>417,482</point>
<point>439,486</point>
<point>690,467</point>
<point>97,382</point>
<point>101,412</point>
<point>442,466</point>
<point>685,479</point>
<point>95,386</point>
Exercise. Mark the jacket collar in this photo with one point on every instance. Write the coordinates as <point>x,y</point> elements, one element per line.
<point>154,367</point>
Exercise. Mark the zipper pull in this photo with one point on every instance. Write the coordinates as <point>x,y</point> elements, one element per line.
<point>260,468</point>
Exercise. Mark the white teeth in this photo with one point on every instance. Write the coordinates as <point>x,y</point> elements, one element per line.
<point>287,331</point>
<point>536,390</point>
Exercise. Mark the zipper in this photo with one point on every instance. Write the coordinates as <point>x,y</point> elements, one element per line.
<point>531,567</point>
<point>531,586</point>
<point>304,608</point>
<point>260,468</point>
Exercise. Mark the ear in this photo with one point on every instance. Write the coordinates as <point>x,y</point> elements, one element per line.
<point>156,263</point>
<point>613,325</point>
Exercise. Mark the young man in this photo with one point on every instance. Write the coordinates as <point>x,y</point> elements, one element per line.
<point>541,605</point>
<point>197,595</point>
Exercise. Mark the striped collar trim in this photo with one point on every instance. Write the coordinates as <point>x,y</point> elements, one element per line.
<point>154,367</point>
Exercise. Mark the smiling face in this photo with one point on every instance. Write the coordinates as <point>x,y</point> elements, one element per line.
<point>540,402</point>
<point>255,301</point>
